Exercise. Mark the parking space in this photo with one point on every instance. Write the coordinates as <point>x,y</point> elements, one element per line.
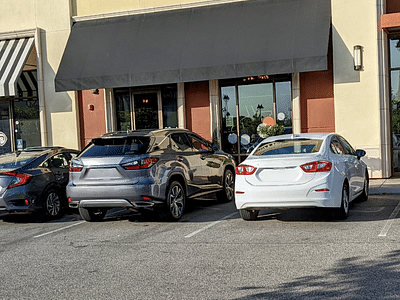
<point>210,254</point>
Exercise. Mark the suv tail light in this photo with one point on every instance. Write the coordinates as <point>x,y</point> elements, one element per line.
<point>19,179</point>
<point>317,166</point>
<point>245,170</point>
<point>74,167</point>
<point>145,163</point>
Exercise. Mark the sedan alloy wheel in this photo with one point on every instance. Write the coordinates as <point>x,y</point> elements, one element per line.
<point>52,203</point>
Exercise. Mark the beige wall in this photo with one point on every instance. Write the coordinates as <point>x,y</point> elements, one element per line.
<point>360,108</point>
<point>91,7</point>
<point>53,20</point>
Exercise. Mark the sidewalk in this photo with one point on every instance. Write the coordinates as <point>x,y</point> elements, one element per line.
<point>384,186</point>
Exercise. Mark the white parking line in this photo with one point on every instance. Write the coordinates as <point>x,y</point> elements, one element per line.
<point>53,231</point>
<point>210,225</point>
<point>390,221</point>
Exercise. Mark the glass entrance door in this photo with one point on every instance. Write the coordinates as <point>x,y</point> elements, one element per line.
<point>252,110</point>
<point>5,136</point>
<point>146,110</point>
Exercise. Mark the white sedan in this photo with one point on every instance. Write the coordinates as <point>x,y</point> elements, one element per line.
<point>301,170</point>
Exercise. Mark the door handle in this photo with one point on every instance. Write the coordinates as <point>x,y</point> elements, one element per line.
<point>179,158</point>
<point>203,157</point>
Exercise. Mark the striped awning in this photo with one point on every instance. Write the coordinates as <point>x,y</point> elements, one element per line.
<point>13,56</point>
<point>27,84</point>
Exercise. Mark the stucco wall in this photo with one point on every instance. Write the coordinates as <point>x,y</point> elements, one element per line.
<point>91,7</point>
<point>92,122</point>
<point>357,98</point>
<point>198,108</point>
<point>53,20</point>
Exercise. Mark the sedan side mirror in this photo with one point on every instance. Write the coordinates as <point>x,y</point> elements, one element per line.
<point>360,153</point>
<point>215,147</point>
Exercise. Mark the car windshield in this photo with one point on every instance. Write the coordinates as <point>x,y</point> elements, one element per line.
<point>289,146</point>
<point>116,146</point>
<point>15,160</point>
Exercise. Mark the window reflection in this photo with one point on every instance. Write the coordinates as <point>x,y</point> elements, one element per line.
<point>123,108</point>
<point>27,124</point>
<point>229,123</point>
<point>395,101</point>
<point>260,105</point>
<point>395,53</point>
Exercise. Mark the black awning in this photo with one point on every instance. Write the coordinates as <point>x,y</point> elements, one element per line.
<point>238,39</point>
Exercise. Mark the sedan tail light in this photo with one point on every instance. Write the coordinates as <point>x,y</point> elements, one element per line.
<point>145,163</point>
<point>245,170</point>
<point>317,166</point>
<point>74,167</point>
<point>19,179</point>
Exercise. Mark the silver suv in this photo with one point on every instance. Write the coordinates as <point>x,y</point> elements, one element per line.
<point>148,169</point>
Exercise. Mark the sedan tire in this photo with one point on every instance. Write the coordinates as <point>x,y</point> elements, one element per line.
<point>175,203</point>
<point>365,192</point>
<point>248,215</point>
<point>342,212</point>
<point>228,192</point>
<point>52,203</point>
<point>92,214</point>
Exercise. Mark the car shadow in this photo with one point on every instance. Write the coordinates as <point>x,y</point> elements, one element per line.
<point>68,216</point>
<point>378,207</point>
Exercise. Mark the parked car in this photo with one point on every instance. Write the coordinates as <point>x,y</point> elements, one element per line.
<point>148,169</point>
<point>34,180</point>
<point>301,170</point>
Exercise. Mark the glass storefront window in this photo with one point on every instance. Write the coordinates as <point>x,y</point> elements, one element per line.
<point>258,105</point>
<point>146,108</point>
<point>229,124</point>
<point>283,94</point>
<point>26,123</point>
<point>123,109</point>
<point>170,107</point>
<point>395,53</point>
<point>395,100</point>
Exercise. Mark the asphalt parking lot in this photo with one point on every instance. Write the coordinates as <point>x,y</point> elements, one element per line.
<point>210,254</point>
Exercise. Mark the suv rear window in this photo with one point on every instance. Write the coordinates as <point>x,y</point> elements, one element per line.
<point>116,146</point>
<point>282,147</point>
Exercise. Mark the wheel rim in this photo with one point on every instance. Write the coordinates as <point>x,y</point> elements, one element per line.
<point>176,201</point>
<point>229,185</point>
<point>53,204</point>
<point>345,198</point>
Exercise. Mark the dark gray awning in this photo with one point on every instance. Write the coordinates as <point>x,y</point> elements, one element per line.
<point>238,39</point>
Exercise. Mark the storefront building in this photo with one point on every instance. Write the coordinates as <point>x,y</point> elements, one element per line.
<point>220,68</point>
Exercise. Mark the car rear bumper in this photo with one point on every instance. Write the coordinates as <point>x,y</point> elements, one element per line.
<point>122,196</point>
<point>261,197</point>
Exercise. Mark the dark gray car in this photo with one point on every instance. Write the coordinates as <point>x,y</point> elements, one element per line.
<point>148,169</point>
<point>34,180</point>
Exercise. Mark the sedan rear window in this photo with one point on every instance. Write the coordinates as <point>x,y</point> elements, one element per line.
<point>116,146</point>
<point>16,160</point>
<point>282,147</point>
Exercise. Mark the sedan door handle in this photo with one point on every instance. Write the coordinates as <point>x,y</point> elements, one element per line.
<point>179,158</point>
<point>203,157</point>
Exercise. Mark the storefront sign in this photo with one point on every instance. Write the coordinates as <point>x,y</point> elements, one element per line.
<point>229,121</point>
<point>3,139</point>
<point>20,144</point>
